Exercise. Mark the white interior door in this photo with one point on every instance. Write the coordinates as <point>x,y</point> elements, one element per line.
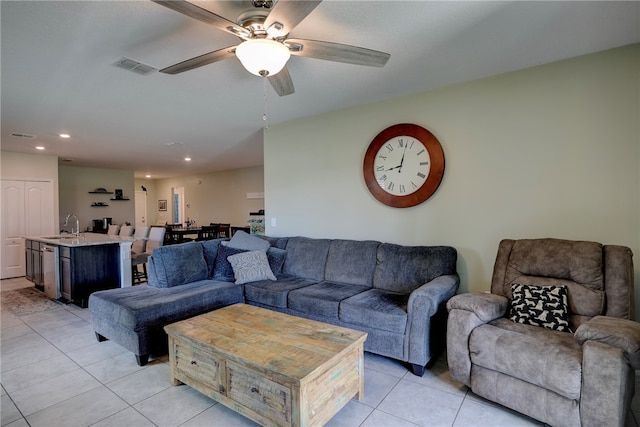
<point>38,202</point>
<point>141,208</point>
<point>13,228</point>
<point>27,210</point>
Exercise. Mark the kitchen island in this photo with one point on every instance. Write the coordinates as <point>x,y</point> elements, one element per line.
<point>72,267</point>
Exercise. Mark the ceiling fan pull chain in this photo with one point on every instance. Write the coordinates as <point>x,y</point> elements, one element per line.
<point>264,98</point>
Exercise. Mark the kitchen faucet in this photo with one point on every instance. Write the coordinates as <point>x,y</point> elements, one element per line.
<point>77,229</point>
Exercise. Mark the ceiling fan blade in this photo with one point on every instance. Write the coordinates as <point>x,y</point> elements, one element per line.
<point>337,52</point>
<point>286,14</point>
<point>208,17</point>
<point>199,61</point>
<point>282,83</point>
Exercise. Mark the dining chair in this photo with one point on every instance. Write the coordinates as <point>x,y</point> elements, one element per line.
<point>140,244</point>
<point>126,230</point>
<point>156,239</point>
<point>208,232</point>
<point>170,236</point>
<point>113,230</point>
<point>224,230</point>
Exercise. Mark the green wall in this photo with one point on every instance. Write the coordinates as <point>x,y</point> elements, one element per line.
<point>550,151</point>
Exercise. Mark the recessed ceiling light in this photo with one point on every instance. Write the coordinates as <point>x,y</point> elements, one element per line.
<point>65,135</point>
<point>147,176</point>
<point>187,159</point>
<point>39,147</point>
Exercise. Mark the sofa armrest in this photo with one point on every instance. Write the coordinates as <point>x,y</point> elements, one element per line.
<point>467,312</point>
<point>486,307</point>
<point>424,302</point>
<point>437,291</point>
<point>620,333</point>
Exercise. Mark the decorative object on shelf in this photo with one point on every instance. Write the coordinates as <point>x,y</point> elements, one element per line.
<point>403,165</point>
<point>119,193</point>
<point>100,190</point>
<point>99,204</point>
<point>162,205</point>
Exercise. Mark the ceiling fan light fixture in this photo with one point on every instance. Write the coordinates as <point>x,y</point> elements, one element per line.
<point>263,57</point>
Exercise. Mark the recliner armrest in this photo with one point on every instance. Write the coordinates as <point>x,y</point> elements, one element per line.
<point>621,333</point>
<point>486,307</point>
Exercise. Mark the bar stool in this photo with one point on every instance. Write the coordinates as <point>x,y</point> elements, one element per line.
<point>156,238</point>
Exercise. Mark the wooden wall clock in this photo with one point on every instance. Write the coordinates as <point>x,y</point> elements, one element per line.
<point>403,165</point>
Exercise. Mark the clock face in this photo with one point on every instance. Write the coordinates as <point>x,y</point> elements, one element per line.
<point>403,165</point>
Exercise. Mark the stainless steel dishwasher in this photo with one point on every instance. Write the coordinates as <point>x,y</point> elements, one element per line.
<point>50,271</point>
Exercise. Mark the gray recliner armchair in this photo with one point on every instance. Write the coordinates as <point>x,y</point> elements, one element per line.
<point>515,346</point>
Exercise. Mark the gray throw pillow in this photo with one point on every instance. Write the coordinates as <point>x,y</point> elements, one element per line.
<point>243,240</point>
<point>250,267</point>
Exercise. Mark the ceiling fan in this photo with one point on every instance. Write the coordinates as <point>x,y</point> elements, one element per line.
<point>265,47</point>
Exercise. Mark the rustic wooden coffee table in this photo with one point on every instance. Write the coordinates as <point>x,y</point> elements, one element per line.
<point>274,368</point>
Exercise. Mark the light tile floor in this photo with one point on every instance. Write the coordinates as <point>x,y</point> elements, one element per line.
<point>54,373</point>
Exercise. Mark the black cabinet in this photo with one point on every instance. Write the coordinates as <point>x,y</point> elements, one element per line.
<point>87,269</point>
<point>33,254</point>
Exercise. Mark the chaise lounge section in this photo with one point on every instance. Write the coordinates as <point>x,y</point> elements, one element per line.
<point>397,294</point>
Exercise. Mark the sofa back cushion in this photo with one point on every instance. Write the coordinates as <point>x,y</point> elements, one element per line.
<point>210,251</point>
<point>351,262</point>
<point>404,268</point>
<point>306,257</point>
<point>578,265</point>
<point>176,265</point>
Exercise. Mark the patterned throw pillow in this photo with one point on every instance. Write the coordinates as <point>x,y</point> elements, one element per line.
<point>250,267</point>
<point>222,269</point>
<point>545,306</point>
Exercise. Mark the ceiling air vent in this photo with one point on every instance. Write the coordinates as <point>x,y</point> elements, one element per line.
<point>22,135</point>
<point>135,66</point>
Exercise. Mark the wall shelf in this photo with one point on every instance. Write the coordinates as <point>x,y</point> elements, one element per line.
<point>119,200</point>
<point>96,205</point>
<point>100,192</point>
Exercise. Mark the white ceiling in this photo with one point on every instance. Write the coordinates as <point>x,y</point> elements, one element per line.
<point>57,72</point>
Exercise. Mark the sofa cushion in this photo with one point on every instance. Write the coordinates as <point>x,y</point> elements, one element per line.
<point>274,294</point>
<point>546,358</point>
<point>351,261</point>
<point>306,258</point>
<point>244,240</point>
<point>376,308</point>
<point>210,250</point>
<point>578,265</point>
<point>544,306</point>
<point>276,259</point>
<point>251,266</point>
<point>275,242</point>
<point>222,268</point>
<point>142,306</point>
<point>322,299</point>
<point>176,265</point>
<point>402,269</point>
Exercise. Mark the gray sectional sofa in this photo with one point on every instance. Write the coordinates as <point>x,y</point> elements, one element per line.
<point>397,294</point>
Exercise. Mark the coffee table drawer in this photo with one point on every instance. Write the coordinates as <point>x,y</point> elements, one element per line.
<point>198,365</point>
<point>267,398</point>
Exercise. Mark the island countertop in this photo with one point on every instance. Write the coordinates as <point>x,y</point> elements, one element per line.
<point>85,239</point>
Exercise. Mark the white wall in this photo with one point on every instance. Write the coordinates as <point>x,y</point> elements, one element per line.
<point>216,196</point>
<point>551,151</point>
<point>21,166</point>
<point>76,183</point>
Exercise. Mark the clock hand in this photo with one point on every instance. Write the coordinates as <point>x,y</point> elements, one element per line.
<point>402,160</point>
